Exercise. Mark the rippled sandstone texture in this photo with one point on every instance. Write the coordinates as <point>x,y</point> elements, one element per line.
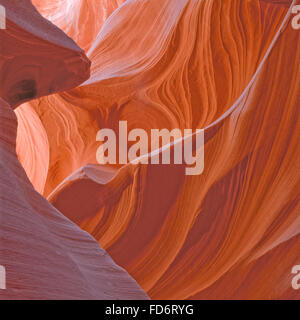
<point>45,255</point>
<point>228,66</point>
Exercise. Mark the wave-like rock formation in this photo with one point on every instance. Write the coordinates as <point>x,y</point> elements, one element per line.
<point>45,255</point>
<point>230,67</point>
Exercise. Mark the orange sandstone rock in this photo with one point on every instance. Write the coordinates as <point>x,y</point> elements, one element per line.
<point>45,255</point>
<point>228,67</point>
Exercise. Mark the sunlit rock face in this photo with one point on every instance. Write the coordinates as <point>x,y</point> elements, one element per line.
<point>43,253</point>
<point>228,67</point>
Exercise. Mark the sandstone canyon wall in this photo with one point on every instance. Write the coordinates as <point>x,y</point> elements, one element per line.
<point>229,67</point>
<point>45,255</point>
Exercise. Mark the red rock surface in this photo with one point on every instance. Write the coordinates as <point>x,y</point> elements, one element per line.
<point>45,255</point>
<point>229,67</point>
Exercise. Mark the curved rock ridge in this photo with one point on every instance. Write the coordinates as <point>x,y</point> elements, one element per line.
<point>229,67</point>
<point>36,58</point>
<point>45,255</point>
